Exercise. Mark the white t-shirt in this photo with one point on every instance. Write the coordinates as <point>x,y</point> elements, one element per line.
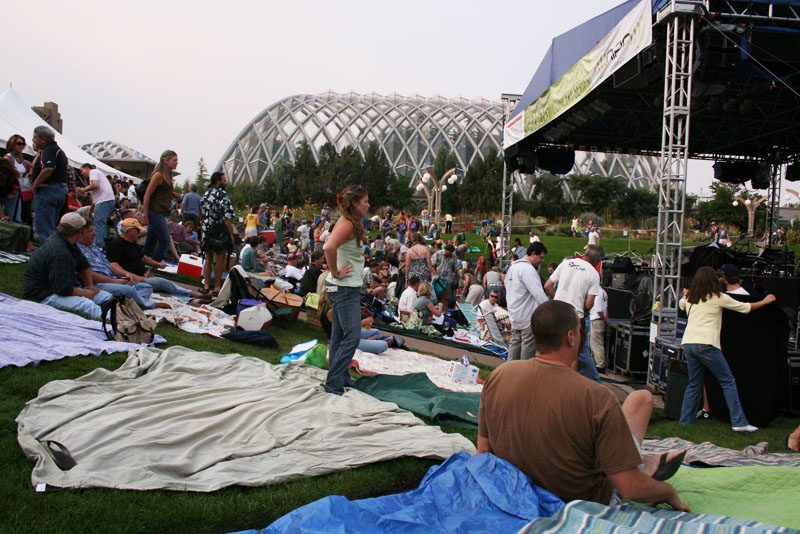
<point>293,272</point>
<point>245,247</point>
<point>407,299</point>
<point>576,279</point>
<point>739,291</point>
<point>600,305</point>
<point>304,231</point>
<point>534,238</point>
<point>485,307</point>
<point>524,293</point>
<point>103,192</point>
<point>593,237</point>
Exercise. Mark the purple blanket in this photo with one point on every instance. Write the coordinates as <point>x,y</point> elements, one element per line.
<point>31,332</point>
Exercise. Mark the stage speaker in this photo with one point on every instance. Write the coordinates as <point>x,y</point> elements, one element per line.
<point>623,264</point>
<point>738,172</point>
<point>762,179</point>
<point>793,172</point>
<point>556,160</point>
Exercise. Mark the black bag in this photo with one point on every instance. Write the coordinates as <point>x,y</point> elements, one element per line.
<point>127,321</point>
<point>218,236</point>
<point>141,189</point>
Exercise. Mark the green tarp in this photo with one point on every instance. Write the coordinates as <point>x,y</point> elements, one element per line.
<point>416,393</point>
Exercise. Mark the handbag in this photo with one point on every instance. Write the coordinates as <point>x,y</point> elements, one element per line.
<point>218,236</point>
<point>439,286</point>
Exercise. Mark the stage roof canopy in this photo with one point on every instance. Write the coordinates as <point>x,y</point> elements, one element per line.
<point>600,86</point>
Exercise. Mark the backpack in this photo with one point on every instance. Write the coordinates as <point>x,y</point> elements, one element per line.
<point>141,189</point>
<point>127,321</point>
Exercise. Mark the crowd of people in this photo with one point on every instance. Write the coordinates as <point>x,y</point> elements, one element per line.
<point>587,445</point>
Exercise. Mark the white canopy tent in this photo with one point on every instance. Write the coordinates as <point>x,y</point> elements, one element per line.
<point>17,117</point>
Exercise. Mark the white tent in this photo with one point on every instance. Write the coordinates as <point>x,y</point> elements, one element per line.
<point>17,117</point>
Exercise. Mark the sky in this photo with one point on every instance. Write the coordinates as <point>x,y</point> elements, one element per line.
<point>189,76</point>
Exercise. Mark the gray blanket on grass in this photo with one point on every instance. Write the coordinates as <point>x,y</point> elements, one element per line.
<point>198,421</point>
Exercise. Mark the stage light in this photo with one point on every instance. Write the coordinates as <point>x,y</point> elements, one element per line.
<point>735,203</point>
<point>452,179</point>
<point>425,178</point>
<point>748,202</point>
<point>419,187</point>
<point>444,187</point>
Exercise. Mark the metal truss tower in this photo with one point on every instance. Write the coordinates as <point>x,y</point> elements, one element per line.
<point>679,16</point>
<point>507,210</point>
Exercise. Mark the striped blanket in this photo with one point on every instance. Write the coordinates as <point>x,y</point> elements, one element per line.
<point>589,517</point>
<point>713,455</point>
<point>14,257</point>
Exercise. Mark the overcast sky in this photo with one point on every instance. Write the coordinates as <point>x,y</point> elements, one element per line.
<point>189,76</point>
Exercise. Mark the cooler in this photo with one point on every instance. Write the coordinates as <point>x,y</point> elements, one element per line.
<point>269,234</point>
<point>191,266</point>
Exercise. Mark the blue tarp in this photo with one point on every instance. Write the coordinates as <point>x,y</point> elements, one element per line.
<point>466,494</point>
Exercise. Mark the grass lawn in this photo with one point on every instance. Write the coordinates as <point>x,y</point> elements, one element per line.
<point>102,510</point>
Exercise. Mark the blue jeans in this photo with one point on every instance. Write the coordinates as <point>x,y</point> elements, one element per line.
<point>375,346</point>
<point>102,212</point>
<point>156,232</point>
<point>586,365</point>
<point>140,292</point>
<point>48,203</point>
<point>345,334</point>
<point>82,305</point>
<point>699,358</point>
<point>12,207</point>
<point>162,285</point>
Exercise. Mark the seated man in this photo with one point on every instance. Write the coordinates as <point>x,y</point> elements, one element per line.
<point>180,237</point>
<point>127,261</point>
<point>51,276</point>
<point>408,298</point>
<point>488,305</point>
<point>569,434</point>
<point>308,284</point>
<point>372,282</point>
<point>103,276</point>
<point>292,273</point>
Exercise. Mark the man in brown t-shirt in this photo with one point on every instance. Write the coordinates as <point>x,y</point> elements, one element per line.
<point>567,433</point>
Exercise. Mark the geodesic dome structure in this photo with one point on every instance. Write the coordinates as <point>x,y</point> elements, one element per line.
<point>409,130</point>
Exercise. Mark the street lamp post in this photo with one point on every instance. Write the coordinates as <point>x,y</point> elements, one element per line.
<point>433,190</point>
<point>751,205</point>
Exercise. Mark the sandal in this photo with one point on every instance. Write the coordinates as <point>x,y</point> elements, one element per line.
<point>668,468</point>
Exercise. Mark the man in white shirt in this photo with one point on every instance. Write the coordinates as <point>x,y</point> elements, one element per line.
<point>598,318</point>
<point>292,273</point>
<point>524,294</point>
<point>305,234</point>
<point>408,298</point>
<point>488,305</point>
<point>578,284</point>
<point>103,199</point>
<point>732,278</point>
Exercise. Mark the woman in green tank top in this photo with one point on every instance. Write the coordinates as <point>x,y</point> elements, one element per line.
<point>343,254</point>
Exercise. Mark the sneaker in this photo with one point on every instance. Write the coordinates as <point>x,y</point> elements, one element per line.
<point>748,428</point>
<point>703,414</point>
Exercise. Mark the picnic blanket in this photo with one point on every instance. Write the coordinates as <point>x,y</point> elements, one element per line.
<point>416,393</point>
<point>14,257</point>
<point>402,362</point>
<point>760,493</point>
<point>197,421</point>
<point>203,319</point>
<point>31,332</point>
<point>583,517</point>
<point>466,494</point>
<point>713,455</point>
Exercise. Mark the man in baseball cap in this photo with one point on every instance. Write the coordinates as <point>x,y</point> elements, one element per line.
<point>53,272</point>
<point>731,276</point>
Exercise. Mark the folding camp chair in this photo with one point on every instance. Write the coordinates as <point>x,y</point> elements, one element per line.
<point>469,314</point>
<point>497,340</point>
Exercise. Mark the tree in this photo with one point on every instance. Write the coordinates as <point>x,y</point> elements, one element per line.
<point>283,175</point>
<point>306,175</point>
<point>598,193</point>
<point>721,208</point>
<point>637,204</point>
<point>399,194</point>
<point>548,198</point>
<point>377,174</point>
<point>201,178</point>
